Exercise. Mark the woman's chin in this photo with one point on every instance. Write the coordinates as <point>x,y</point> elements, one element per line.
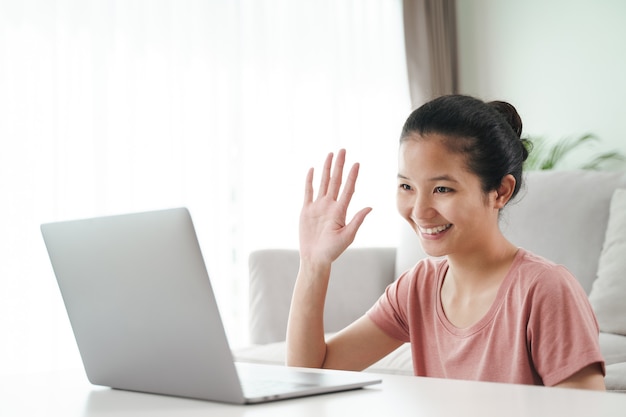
<point>431,251</point>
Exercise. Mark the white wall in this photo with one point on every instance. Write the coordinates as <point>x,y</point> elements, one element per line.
<point>562,63</point>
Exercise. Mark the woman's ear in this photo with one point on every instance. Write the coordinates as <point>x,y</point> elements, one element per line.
<point>505,190</point>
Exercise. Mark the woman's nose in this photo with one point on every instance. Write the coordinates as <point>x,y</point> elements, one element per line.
<point>422,208</point>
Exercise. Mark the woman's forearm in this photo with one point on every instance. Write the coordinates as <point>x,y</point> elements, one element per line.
<point>306,345</point>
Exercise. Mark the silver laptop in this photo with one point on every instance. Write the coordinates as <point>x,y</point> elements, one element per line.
<point>145,318</point>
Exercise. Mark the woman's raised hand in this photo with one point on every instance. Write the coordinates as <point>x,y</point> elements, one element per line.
<point>324,234</point>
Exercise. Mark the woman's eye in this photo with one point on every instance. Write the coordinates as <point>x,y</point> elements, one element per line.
<point>405,187</point>
<point>442,190</point>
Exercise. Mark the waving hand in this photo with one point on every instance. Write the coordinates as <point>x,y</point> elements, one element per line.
<point>324,233</point>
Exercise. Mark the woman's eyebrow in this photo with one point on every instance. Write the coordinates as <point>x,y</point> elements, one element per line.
<point>442,178</point>
<point>433,179</point>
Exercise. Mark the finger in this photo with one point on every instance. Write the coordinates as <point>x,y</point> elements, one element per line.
<point>357,221</point>
<point>308,187</point>
<point>325,180</point>
<point>337,177</point>
<point>350,186</point>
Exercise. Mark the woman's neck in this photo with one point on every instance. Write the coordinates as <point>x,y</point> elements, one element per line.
<point>482,267</point>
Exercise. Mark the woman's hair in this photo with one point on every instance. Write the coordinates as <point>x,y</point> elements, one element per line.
<point>488,134</point>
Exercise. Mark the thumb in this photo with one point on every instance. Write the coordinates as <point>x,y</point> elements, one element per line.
<point>357,221</point>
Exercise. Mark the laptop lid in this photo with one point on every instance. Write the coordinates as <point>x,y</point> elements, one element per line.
<point>143,312</point>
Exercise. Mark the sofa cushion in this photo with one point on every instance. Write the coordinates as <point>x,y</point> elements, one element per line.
<point>358,278</point>
<point>562,216</point>
<point>398,362</point>
<point>615,379</point>
<point>608,294</point>
<point>613,347</point>
<point>268,354</point>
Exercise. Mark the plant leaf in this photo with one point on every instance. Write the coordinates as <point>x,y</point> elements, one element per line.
<point>544,157</point>
<point>564,147</point>
<point>598,160</point>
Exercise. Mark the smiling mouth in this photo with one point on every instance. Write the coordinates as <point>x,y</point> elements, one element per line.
<point>435,230</point>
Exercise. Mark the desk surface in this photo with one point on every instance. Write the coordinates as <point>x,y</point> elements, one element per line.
<point>69,394</point>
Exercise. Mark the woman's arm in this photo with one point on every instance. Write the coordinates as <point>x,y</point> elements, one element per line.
<point>356,347</point>
<point>589,377</point>
<point>324,235</point>
<point>306,345</point>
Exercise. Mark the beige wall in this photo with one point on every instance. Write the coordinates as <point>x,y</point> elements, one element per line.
<point>562,63</point>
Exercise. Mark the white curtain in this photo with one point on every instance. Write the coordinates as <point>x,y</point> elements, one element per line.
<point>110,106</point>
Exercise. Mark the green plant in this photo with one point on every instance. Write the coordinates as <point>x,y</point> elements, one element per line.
<point>543,156</point>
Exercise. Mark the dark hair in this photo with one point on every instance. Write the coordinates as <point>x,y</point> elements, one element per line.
<point>489,134</point>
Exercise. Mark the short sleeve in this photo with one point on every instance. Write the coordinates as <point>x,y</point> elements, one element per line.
<point>390,311</point>
<point>562,331</point>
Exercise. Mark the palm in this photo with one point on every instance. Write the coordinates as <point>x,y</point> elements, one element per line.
<point>324,233</point>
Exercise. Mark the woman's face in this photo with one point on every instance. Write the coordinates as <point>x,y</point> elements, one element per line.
<point>442,201</point>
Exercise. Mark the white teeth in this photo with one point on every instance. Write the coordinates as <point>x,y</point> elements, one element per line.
<point>435,230</point>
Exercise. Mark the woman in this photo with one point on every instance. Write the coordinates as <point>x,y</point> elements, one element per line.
<point>484,309</point>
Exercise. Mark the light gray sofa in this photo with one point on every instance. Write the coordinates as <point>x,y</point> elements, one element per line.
<point>576,218</point>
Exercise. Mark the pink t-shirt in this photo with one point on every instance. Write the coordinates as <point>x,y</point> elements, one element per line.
<point>539,330</point>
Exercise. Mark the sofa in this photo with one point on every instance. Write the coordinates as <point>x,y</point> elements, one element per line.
<point>576,218</point>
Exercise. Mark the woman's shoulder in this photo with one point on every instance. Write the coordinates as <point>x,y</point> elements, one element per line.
<point>531,261</point>
<point>418,282</point>
<point>534,270</point>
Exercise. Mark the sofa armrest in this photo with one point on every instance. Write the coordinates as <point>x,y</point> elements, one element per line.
<point>358,278</point>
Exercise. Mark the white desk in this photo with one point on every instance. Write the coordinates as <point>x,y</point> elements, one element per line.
<point>69,394</point>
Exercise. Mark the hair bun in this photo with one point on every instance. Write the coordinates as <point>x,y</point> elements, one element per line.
<point>510,114</point>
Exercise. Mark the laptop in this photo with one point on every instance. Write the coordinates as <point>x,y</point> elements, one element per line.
<point>145,318</point>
